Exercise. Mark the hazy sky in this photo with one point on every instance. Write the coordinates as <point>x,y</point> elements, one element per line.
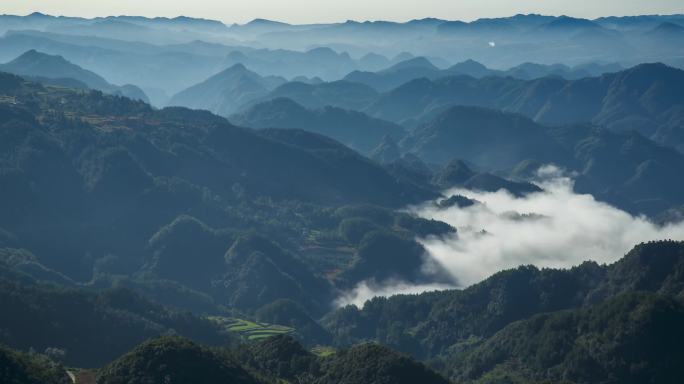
<point>308,11</point>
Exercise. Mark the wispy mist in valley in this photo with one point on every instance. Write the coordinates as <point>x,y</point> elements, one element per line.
<point>555,228</point>
<point>367,290</point>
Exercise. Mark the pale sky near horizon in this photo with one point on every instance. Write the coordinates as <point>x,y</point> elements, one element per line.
<point>311,11</point>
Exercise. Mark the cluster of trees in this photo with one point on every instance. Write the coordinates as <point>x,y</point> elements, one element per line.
<point>87,328</point>
<point>632,338</point>
<point>174,360</point>
<point>476,332</point>
<point>30,368</point>
<point>629,338</point>
<point>270,361</point>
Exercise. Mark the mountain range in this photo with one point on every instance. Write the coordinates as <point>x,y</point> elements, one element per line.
<point>354,129</point>
<point>617,167</point>
<point>226,91</point>
<point>444,135</point>
<point>499,337</point>
<point>211,184</point>
<point>645,98</point>
<point>162,56</point>
<point>55,69</point>
<point>420,67</point>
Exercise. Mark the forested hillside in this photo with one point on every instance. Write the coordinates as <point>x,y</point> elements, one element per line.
<point>488,333</point>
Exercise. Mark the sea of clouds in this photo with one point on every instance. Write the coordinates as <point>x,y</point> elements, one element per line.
<point>556,228</point>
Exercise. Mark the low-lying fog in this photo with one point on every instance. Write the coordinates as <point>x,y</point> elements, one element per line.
<point>556,228</point>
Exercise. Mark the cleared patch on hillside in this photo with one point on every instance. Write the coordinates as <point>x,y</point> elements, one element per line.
<point>251,330</point>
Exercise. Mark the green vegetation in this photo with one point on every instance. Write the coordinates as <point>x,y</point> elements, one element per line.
<point>323,351</point>
<point>250,330</point>
<point>354,229</point>
<point>423,325</point>
<point>290,313</point>
<point>30,368</point>
<point>278,359</point>
<point>174,360</point>
<point>372,363</point>
<point>382,255</point>
<point>89,328</point>
<point>633,338</point>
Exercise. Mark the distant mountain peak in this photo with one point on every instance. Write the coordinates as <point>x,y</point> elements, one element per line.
<point>454,173</point>
<point>33,54</point>
<point>236,56</point>
<point>322,51</point>
<point>469,66</point>
<point>426,21</point>
<point>195,19</point>
<point>42,65</point>
<point>651,69</point>
<point>460,166</point>
<point>237,67</point>
<point>225,91</point>
<point>403,56</point>
<point>567,22</point>
<point>38,15</point>
<point>263,22</point>
<point>416,62</point>
<point>668,27</point>
<point>524,15</point>
<point>32,60</point>
<point>471,61</point>
<point>280,103</point>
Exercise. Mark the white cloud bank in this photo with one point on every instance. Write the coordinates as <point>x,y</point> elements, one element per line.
<point>556,228</point>
<point>367,290</point>
<point>563,229</point>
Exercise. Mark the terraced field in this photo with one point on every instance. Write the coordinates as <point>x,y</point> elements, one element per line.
<point>251,330</point>
<point>323,351</point>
